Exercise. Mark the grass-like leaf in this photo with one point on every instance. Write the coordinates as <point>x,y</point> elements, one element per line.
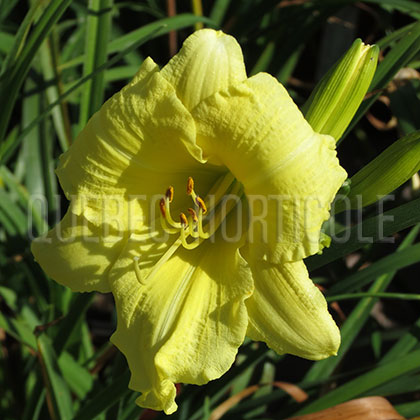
<point>97,34</point>
<point>17,67</point>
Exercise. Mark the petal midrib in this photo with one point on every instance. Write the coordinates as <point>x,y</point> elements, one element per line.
<point>283,162</point>
<point>172,311</point>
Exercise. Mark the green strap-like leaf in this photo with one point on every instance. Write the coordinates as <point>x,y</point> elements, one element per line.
<point>356,320</point>
<point>398,163</point>
<point>15,74</point>
<point>97,33</point>
<point>105,398</point>
<point>58,393</point>
<point>72,320</point>
<point>403,258</point>
<point>370,231</point>
<point>365,382</point>
<point>405,344</point>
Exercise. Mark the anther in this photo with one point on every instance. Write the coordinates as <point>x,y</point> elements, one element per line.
<point>190,186</point>
<point>170,193</point>
<point>201,204</point>
<point>183,220</point>
<point>193,215</point>
<point>162,207</point>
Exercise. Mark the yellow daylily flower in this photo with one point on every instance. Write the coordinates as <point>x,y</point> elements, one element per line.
<point>252,184</point>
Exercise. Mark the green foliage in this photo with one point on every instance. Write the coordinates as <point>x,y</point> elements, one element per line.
<point>397,164</point>
<point>61,59</point>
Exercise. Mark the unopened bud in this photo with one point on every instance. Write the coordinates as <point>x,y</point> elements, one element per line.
<point>336,98</point>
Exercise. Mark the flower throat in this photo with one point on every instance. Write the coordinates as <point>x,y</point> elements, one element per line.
<point>190,229</point>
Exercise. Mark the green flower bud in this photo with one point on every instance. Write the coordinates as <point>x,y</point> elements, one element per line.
<point>338,95</point>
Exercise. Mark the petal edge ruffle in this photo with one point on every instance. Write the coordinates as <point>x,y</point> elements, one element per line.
<point>290,173</point>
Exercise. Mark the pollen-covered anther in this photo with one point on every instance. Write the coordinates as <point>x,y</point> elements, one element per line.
<point>170,193</point>
<point>201,204</point>
<point>183,220</point>
<point>193,215</point>
<point>190,229</point>
<point>190,186</point>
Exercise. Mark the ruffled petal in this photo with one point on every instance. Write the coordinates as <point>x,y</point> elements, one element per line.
<point>185,323</point>
<point>209,61</point>
<point>76,255</point>
<point>290,173</point>
<point>289,313</point>
<point>140,142</point>
<point>136,141</point>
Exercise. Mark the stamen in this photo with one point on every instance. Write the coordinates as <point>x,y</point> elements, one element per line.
<point>163,219</point>
<point>190,186</point>
<point>170,193</point>
<point>183,219</point>
<point>190,189</point>
<point>193,220</point>
<point>166,211</point>
<point>193,215</point>
<point>201,232</point>
<point>187,245</point>
<point>193,225</point>
<point>200,203</point>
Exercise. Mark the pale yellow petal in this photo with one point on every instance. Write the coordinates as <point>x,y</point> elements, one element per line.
<point>142,133</point>
<point>81,249</point>
<point>290,173</point>
<point>138,144</point>
<point>115,180</point>
<point>185,323</point>
<point>209,61</point>
<point>289,313</point>
<point>76,255</point>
